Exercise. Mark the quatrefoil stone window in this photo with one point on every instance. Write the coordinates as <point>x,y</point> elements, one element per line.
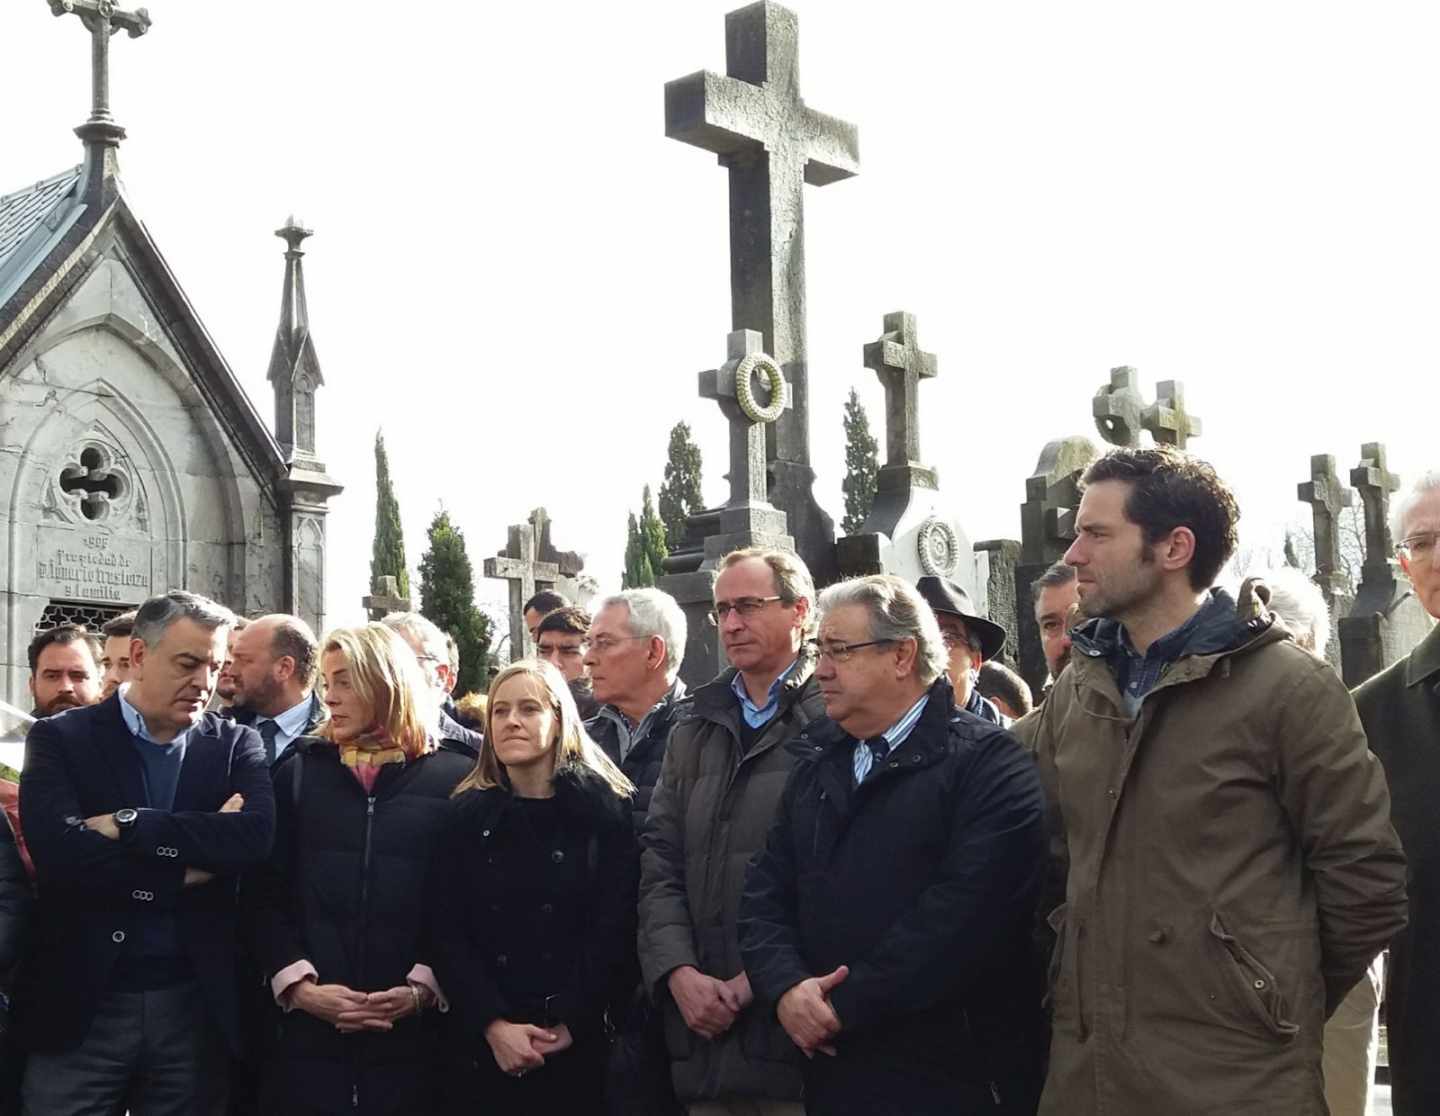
<point>94,483</point>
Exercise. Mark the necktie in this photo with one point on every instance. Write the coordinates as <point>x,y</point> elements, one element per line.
<point>876,749</point>
<point>269,729</point>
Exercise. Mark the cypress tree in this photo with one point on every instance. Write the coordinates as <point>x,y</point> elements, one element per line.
<point>387,552</point>
<point>447,596</point>
<point>652,536</point>
<point>638,572</point>
<point>862,464</point>
<point>680,494</point>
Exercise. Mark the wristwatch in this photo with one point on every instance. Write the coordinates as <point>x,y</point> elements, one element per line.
<point>125,821</point>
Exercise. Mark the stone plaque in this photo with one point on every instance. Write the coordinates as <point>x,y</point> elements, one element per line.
<point>95,565</point>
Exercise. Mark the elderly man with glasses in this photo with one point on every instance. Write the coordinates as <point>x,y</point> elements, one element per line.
<point>887,922</point>
<point>432,649</point>
<point>724,771</point>
<point>1400,708</point>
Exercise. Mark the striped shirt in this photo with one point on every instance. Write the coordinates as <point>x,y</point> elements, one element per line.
<point>894,736</point>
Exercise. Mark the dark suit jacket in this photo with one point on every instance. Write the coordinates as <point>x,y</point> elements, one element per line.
<point>82,763</point>
<point>318,716</point>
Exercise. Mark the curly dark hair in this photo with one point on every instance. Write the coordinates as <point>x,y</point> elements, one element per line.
<point>1168,489</point>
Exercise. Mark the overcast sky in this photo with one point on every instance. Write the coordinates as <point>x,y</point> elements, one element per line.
<point>518,275</point>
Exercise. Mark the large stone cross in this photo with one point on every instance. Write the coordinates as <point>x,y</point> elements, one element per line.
<point>1169,423</point>
<point>386,598</point>
<point>519,564</point>
<point>1121,412</point>
<point>1375,482</point>
<point>1328,497</point>
<point>897,359</point>
<point>771,143</point>
<point>733,386</point>
<point>102,19</point>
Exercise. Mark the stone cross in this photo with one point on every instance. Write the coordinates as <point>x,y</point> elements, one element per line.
<point>385,599</point>
<point>520,565</point>
<point>1374,481</point>
<point>897,359</point>
<point>1118,408</point>
<point>1169,423</point>
<point>102,19</point>
<point>771,143</point>
<point>744,358</point>
<point>1121,412</point>
<point>1327,496</point>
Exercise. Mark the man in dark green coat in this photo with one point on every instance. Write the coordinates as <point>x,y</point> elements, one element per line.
<point>724,771</point>
<point>1400,708</point>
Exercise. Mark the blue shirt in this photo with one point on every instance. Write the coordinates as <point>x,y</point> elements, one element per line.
<point>289,724</point>
<point>159,763</point>
<point>1136,674</point>
<point>757,715</point>
<point>894,736</point>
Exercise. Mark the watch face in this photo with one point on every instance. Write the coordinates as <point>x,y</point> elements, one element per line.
<point>125,817</point>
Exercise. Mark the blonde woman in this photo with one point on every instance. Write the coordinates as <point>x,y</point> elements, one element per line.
<point>337,913</point>
<point>532,906</point>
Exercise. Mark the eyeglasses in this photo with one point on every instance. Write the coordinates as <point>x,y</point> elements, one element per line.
<point>745,606</point>
<point>844,652</point>
<point>953,640</point>
<point>603,645</point>
<point>1418,546</point>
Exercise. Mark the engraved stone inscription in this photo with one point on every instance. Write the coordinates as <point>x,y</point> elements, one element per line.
<point>92,566</point>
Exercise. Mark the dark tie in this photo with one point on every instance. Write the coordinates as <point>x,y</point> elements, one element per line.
<point>879,749</point>
<point>268,731</point>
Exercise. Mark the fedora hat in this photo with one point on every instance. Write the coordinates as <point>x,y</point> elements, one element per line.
<point>943,595</point>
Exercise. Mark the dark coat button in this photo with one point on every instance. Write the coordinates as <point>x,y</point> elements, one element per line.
<point>557,856</point>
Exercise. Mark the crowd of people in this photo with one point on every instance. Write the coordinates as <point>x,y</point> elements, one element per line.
<point>862,871</point>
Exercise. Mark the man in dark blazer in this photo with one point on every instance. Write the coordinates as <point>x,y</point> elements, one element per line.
<point>140,813</point>
<point>277,660</point>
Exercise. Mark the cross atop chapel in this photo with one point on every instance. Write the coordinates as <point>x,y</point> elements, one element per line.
<point>102,19</point>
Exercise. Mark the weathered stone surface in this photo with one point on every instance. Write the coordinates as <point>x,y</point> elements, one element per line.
<point>896,358</point>
<point>771,143</point>
<point>385,598</point>
<point>1386,621</point>
<point>1000,559</point>
<point>748,518</point>
<point>1047,528</point>
<point>1328,497</point>
<point>519,564</point>
<point>1121,413</point>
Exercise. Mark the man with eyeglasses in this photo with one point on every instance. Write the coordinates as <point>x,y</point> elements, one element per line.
<point>1400,708</point>
<point>970,640</point>
<point>724,771</point>
<point>560,641</point>
<point>886,923</point>
<point>432,649</point>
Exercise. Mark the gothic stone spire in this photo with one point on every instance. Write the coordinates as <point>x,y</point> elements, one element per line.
<point>294,365</point>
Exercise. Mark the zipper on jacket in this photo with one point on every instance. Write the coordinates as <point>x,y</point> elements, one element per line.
<point>354,1096</point>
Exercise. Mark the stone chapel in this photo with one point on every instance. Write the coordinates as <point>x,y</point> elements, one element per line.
<point>131,459</point>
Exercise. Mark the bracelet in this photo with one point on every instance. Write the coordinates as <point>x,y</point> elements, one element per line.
<point>415,995</point>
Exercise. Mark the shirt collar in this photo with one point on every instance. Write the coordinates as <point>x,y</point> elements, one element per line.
<point>756,715</point>
<point>135,721</point>
<point>897,733</point>
<point>292,722</point>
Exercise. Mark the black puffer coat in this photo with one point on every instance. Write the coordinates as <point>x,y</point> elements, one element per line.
<point>344,891</point>
<point>531,919</point>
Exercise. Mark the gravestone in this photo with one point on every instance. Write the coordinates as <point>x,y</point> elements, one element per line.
<point>530,562</point>
<point>910,532</point>
<point>1121,413</point>
<point>998,560</point>
<point>1047,528</point>
<point>1328,497</point>
<point>386,598</point>
<point>1386,621</point>
<point>771,144</point>
<point>747,518</point>
<point>134,462</point>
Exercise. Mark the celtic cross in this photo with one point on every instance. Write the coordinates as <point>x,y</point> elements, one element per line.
<point>102,19</point>
<point>732,385</point>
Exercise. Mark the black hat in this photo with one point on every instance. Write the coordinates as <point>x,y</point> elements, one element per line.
<point>943,595</point>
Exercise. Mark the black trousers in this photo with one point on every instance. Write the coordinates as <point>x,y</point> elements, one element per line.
<point>151,1053</point>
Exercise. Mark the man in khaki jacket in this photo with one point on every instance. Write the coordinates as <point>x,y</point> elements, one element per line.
<point>1232,868</point>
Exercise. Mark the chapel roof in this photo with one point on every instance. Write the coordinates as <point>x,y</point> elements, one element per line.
<point>24,228</point>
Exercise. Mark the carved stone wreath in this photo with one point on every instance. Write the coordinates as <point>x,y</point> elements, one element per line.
<point>938,547</point>
<point>745,388</point>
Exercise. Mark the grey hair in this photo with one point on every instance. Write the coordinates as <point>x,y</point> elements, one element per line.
<point>654,612</point>
<point>1427,482</point>
<point>1300,605</point>
<point>423,630</point>
<point>792,578</point>
<point>154,617</point>
<point>897,611</point>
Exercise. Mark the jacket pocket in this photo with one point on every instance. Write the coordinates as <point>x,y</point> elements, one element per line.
<point>1256,987</point>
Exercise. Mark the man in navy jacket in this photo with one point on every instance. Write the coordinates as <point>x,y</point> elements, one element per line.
<point>140,813</point>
